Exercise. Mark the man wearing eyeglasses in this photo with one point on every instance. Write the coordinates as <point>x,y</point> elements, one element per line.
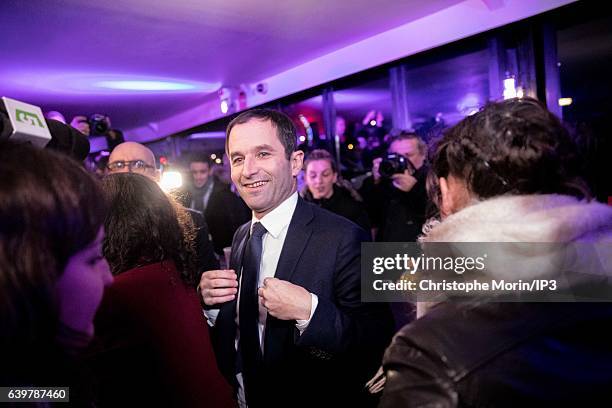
<point>132,157</point>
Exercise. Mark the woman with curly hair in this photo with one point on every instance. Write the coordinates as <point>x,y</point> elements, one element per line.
<point>509,174</point>
<point>52,273</point>
<point>152,344</point>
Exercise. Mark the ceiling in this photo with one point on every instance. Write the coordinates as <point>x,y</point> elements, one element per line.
<point>56,53</point>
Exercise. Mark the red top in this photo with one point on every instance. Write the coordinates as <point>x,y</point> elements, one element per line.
<point>152,343</point>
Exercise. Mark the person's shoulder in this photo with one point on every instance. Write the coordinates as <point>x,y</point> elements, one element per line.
<point>325,220</point>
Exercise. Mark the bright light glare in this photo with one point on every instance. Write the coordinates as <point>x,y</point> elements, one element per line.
<point>565,101</point>
<point>171,180</point>
<point>144,85</point>
<point>372,122</point>
<point>224,106</point>
<point>509,88</point>
<point>350,146</point>
<point>302,138</point>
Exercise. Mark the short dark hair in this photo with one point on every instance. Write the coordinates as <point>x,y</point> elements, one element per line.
<point>285,129</point>
<point>50,209</point>
<point>407,135</point>
<point>199,157</point>
<point>144,225</point>
<point>511,147</point>
<point>320,154</point>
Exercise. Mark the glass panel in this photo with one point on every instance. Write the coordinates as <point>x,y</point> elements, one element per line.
<point>442,93</point>
<point>584,50</point>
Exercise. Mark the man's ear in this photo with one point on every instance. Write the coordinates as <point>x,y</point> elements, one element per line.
<point>297,162</point>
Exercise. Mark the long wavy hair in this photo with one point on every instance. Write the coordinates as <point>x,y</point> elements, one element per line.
<point>145,225</point>
<point>50,209</point>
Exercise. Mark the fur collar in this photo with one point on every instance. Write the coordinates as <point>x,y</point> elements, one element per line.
<point>527,218</point>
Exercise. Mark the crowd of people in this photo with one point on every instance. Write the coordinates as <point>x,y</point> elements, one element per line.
<point>250,294</point>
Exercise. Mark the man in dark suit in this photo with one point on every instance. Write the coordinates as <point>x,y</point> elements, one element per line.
<point>223,210</point>
<point>288,324</point>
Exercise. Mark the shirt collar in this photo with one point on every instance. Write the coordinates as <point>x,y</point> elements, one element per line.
<point>280,217</point>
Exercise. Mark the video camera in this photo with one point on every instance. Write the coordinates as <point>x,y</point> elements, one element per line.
<point>25,123</point>
<point>395,163</point>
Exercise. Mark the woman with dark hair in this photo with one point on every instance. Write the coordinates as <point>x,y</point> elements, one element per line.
<point>152,344</point>
<point>508,174</point>
<point>52,273</point>
<point>326,189</point>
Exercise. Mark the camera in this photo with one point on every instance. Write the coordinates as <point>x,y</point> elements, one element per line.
<point>394,164</point>
<point>99,124</point>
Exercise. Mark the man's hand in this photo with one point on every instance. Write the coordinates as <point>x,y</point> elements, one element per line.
<point>218,286</point>
<point>284,300</point>
<point>403,181</point>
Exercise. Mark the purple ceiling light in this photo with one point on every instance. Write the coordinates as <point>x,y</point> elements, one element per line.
<point>94,83</point>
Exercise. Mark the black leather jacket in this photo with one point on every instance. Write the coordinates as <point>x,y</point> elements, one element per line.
<point>502,355</point>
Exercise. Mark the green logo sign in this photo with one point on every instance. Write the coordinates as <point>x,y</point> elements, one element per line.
<point>28,117</point>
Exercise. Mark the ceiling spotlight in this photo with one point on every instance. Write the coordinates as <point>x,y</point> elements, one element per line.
<point>224,106</point>
<point>565,101</point>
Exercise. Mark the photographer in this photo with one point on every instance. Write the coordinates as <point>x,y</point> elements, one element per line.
<point>395,195</point>
<point>98,125</point>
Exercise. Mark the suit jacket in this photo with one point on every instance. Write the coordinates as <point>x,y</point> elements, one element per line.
<point>206,260</point>
<point>224,213</point>
<point>343,344</point>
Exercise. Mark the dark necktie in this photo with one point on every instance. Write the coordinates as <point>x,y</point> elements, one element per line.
<point>250,355</point>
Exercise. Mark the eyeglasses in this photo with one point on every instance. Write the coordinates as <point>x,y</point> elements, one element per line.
<point>138,166</point>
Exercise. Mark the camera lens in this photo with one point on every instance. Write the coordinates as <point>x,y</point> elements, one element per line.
<point>386,168</point>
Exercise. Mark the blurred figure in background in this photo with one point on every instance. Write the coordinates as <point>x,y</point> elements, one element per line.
<point>509,174</point>
<point>55,115</point>
<point>133,157</point>
<point>327,190</point>
<point>52,273</point>
<point>223,210</point>
<point>397,202</point>
<point>81,123</point>
<point>151,334</point>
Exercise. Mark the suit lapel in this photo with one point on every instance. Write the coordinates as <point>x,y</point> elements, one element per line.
<point>298,234</point>
<point>279,333</point>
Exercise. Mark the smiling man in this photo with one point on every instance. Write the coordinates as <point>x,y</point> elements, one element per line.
<point>288,323</point>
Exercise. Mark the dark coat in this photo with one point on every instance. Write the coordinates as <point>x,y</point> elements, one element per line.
<point>398,215</point>
<point>205,252</point>
<point>343,343</point>
<point>224,213</point>
<point>502,355</point>
<point>342,203</point>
